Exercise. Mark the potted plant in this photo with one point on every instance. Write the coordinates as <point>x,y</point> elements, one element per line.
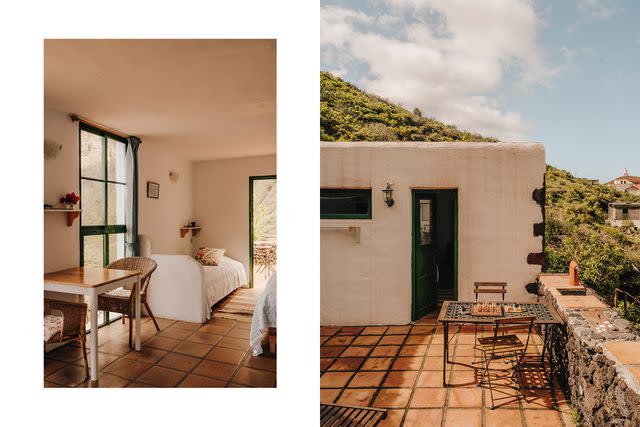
<point>69,200</point>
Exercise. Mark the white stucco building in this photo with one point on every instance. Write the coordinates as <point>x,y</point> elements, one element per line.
<point>462,212</point>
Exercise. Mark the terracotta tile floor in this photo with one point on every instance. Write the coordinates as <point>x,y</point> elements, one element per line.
<point>182,354</point>
<point>400,368</point>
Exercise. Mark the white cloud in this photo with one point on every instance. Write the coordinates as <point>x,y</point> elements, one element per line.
<point>597,9</point>
<point>445,58</point>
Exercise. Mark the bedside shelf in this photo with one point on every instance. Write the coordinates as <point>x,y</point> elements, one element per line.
<point>185,230</point>
<point>72,214</point>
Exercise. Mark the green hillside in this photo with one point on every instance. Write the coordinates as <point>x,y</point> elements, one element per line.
<point>350,114</point>
<point>576,213</point>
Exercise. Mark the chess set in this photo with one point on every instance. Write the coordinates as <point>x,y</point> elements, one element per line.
<point>457,310</point>
<point>513,308</point>
<point>486,309</point>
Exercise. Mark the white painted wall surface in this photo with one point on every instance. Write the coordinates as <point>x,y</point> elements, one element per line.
<point>160,219</point>
<point>61,243</point>
<point>221,202</point>
<point>370,282</point>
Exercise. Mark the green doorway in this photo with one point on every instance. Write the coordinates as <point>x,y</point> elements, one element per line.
<point>262,228</point>
<point>434,261</point>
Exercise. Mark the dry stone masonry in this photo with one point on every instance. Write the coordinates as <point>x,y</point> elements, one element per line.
<point>596,354</point>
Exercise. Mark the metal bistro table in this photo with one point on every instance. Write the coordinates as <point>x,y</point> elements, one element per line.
<point>459,312</point>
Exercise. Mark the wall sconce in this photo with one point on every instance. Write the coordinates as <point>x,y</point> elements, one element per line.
<point>388,195</point>
<point>173,176</point>
<point>51,150</point>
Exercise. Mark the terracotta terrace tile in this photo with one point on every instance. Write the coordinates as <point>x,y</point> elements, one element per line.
<point>393,398</point>
<point>357,351</point>
<point>403,374</point>
<point>423,417</point>
<point>385,351</point>
<point>356,396</point>
<point>366,379</point>
<point>627,352</point>
<point>463,418</point>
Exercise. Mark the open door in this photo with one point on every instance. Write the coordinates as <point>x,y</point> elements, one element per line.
<point>434,247</point>
<point>262,229</point>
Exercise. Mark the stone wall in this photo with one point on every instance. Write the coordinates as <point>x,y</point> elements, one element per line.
<point>595,355</point>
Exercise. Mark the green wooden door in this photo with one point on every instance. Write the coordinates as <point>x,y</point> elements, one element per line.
<point>425,255</point>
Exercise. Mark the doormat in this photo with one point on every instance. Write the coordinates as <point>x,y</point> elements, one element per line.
<point>238,305</point>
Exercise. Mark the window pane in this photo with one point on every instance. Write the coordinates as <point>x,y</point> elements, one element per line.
<point>92,198</point>
<point>345,202</point>
<point>426,215</point>
<point>116,247</point>
<point>115,160</point>
<point>115,216</point>
<point>91,155</point>
<point>93,251</point>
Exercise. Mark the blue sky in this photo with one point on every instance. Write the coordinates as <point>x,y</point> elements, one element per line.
<point>564,73</point>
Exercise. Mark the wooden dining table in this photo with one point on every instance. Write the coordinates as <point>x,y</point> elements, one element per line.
<point>93,282</point>
<point>459,313</point>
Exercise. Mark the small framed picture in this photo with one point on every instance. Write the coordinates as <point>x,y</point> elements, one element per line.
<point>153,190</point>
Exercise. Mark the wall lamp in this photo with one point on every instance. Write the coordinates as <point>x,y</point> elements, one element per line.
<point>388,195</point>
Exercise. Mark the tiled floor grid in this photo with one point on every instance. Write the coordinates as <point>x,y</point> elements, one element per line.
<point>182,354</point>
<point>400,368</point>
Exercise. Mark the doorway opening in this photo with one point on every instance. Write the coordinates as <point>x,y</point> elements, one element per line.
<point>262,229</point>
<point>434,263</point>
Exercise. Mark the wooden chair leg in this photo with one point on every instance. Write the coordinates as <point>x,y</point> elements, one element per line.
<point>83,342</point>
<point>146,305</point>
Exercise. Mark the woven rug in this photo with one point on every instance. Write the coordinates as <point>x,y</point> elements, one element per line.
<point>238,305</point>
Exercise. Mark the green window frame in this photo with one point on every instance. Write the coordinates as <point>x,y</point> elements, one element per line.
<point>364,194</point>
<point>106,229</point>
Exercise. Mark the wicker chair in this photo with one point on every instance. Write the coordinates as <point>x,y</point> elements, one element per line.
<point>74,324</point>
<point>122,300</point>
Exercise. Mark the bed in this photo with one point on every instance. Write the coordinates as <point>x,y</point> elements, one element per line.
<point>264,316</point>
<point>183,289</point>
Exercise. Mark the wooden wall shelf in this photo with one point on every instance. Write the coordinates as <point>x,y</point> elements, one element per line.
<point>185,230</point>
<point>72,214</point>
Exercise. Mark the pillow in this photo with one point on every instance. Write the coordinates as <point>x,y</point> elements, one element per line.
<point>209,256</point>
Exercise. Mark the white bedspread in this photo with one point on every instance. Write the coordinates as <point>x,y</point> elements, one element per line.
<point>221,280</point>
<point>183,289</point>
<point>264,315</point>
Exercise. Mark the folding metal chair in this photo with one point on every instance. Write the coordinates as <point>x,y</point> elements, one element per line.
<point>505,346</point>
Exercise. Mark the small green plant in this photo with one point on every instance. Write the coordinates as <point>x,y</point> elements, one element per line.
<point>575,415</point>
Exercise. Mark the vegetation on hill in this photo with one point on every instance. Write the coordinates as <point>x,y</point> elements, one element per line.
<point>576,228</point>
<point>350,114</point>
<point>264,210</point>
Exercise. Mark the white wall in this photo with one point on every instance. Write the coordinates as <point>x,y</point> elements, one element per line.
<point>221,202</point>
<point>61,175</point>
<point>370,282</point>
<point>160,219</point>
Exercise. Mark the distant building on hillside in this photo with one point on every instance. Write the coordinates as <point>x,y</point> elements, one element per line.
<point>626,183</point>
<point>619,213</point>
